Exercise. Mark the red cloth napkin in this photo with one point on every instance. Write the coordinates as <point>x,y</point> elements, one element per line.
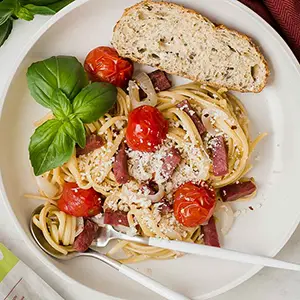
<point>284,16</point>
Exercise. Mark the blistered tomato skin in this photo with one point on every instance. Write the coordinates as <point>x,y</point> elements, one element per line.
<point>147,129</point>
<point>105,64</point>
<point>194,204</point>
<point>79,202</point>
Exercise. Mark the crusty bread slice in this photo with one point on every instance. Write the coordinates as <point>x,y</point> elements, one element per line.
<point>182,42</point>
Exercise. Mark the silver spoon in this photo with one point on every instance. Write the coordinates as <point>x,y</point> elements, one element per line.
<point>129,272</point>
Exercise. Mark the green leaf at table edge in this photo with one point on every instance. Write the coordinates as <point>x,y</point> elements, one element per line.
<point>24,14</point>
<point>39,2</point>
<point>57,6</point>
<point>94,101</point>
<point>50,147</point>
<point>39,10</point>
<point>5,30</point>
<point>7,8</point>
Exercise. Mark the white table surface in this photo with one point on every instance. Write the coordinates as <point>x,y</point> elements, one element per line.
<point>268,284</point>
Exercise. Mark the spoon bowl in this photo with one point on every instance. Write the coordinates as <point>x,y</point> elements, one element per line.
<point>146,281</point>
<point>39,238</point>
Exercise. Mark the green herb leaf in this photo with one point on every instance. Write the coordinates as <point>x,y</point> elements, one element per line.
<point>57,6</point>
<point>39,2</point>
<point>75,130</point>
<point>24,13</point>
<point>41,10</point>
<point>49,147</point>
<point>5,30</point>
<point>60,72</point>
<point>94,101</point>
<point>7,8</point>
<point>60,105</point>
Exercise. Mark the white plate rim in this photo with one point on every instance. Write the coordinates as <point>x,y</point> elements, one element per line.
<point>41,256</point>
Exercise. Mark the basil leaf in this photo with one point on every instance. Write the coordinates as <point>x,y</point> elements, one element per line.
<point>63,72</point>
<point>57,6</point>
<point>39,2</point>
<point>50,147</point>
<point>41,10</point>
<point>75,130</point>
<point>7,8</point>
<point>5,30</point>
<point>25,14</point>
<point>94,101</point>
<point>60,105</point>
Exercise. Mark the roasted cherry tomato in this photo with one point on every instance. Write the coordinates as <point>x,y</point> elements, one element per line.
<point>78,202</point>
<point>105,64</point>
<point>147,128</point>
<point>194,204</point>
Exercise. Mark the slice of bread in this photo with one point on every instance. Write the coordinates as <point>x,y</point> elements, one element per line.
<point>182,42</point>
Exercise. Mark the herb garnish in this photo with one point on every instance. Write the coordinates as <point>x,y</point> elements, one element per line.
<point>60,83</point>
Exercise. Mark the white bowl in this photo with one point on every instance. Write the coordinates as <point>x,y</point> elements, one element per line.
<point>87,24</point>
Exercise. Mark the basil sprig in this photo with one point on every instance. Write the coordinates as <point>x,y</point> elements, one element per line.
<point>60,83</point>
<point>26,10</point>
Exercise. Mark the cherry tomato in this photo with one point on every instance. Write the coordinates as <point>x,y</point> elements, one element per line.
<point>194,204</point>
<point>78,202</point>
<point>147,128</point>
<point>105,64</point>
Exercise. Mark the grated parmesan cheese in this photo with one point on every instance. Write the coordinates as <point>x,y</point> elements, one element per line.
<point>145,166</point>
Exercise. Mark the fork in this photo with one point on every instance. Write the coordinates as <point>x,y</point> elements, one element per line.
<point>108,233</point>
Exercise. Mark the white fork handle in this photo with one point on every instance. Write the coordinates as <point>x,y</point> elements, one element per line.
<point>222,254</point>
<point>151,284</point>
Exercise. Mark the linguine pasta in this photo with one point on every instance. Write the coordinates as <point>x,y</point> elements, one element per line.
<point>226,116</point>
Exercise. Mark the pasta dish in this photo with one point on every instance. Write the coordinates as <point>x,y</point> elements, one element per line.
<point>159,161</point>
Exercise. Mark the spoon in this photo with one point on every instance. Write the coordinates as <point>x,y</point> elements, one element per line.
<point>129,272</point>
<point>108,233</point>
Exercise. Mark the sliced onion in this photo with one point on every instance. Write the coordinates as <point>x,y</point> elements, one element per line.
<point>45,186</point>
<point>79,226</point>
<point>146,85</point>
<point>134,94</point>
<point>207,123</point>
<point>225,216</point>
<point>158,196</point>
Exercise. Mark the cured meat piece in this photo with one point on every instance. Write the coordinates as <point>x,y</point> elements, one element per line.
<point>93,142</point>
<point>210,233</point>
<point>86,237</point>
<point>187,108</point>
<point>219,156</point>
<point>115,218</point>
<point>120,166</point>
<point>160,80</point>
<point>170,162</point>
<point>237,190</point>
<point>166,207</point>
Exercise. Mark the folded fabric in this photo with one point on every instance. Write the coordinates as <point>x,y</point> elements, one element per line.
<point>284,16</point>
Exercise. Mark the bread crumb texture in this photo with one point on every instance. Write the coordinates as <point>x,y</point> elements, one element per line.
<point>182,42</point>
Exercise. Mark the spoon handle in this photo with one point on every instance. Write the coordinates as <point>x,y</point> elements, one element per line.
<point>137,276</point>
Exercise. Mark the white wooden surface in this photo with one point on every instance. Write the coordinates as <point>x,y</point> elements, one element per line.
<point>267,284</point>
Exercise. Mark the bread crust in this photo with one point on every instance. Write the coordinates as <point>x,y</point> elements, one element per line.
<point>215,27</point>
